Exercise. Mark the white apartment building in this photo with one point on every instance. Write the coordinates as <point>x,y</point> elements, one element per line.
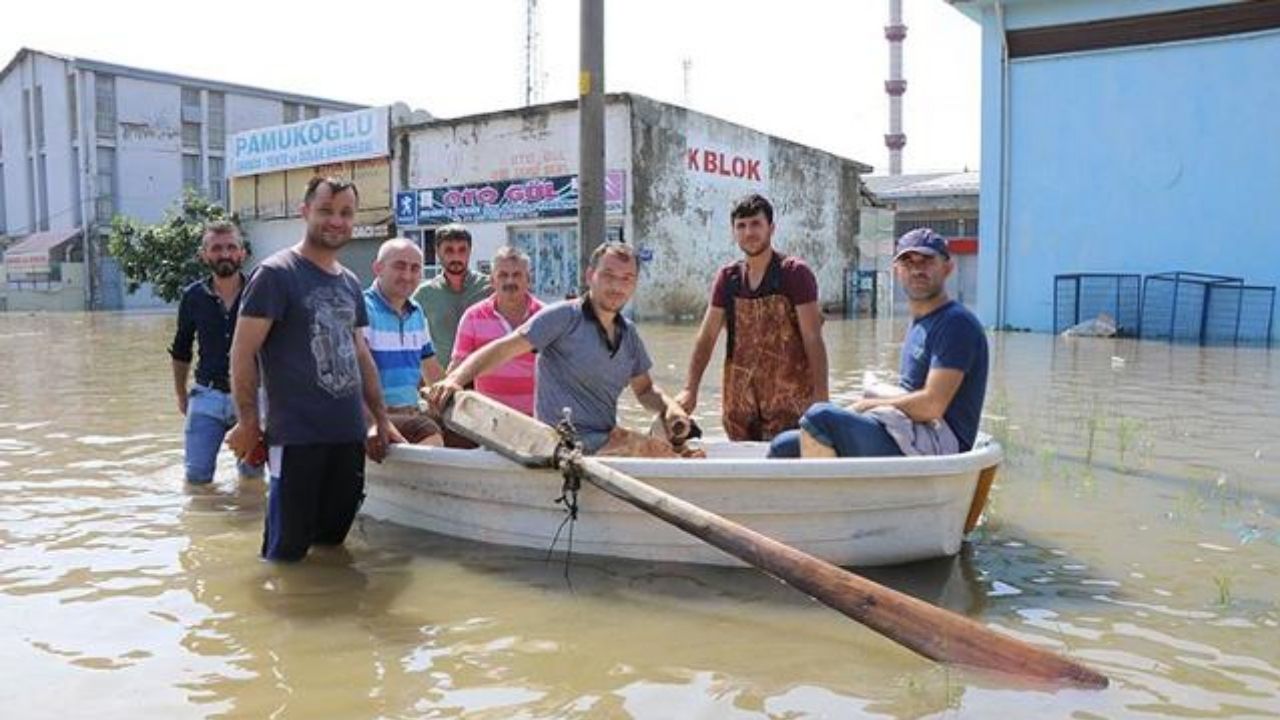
<point>82,141</point>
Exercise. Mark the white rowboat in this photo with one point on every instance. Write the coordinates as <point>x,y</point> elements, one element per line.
<point>848,511</point>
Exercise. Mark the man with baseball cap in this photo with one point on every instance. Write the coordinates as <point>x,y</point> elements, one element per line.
<point>938,402</point>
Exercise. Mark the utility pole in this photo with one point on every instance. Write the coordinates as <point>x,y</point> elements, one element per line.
<point>532,54</point>
<point>590,132</point>
<point>686,66</point>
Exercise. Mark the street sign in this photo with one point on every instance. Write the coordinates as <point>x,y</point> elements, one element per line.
<point>407,208</point>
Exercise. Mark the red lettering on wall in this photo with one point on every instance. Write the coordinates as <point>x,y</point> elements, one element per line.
<point>714,162</point>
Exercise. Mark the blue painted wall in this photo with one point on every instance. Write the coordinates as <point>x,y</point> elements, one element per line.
<point>1134,160</point>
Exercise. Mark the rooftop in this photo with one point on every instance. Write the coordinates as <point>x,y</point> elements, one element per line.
<point>174,79</point>
<point>922,185</point>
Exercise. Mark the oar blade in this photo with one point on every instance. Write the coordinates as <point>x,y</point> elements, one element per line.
<point>509,433</point>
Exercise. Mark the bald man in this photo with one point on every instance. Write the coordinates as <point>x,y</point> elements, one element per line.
<point>400,340</point>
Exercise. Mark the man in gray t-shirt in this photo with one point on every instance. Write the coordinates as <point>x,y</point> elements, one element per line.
<point>587,354</point>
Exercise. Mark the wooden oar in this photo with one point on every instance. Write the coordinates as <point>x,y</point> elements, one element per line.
<point>929,630</point>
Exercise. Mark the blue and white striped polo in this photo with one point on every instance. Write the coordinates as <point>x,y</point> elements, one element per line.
<point>399,343</point>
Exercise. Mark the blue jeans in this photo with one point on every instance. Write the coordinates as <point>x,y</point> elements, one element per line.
<point>210,414</point>
<point>852,434</point>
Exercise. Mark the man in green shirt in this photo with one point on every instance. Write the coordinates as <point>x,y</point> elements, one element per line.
<point>446,296</point>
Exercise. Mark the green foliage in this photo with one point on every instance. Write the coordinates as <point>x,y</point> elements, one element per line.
<point>165,254</point>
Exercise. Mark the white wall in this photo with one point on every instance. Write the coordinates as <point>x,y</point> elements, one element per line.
<point>148,147</point>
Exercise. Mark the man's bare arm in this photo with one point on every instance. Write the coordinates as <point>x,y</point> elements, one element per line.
<point>431,371</point>
<point>250,333</point>
<point>181,371</point>
<point>703,347</point>
<point>815,349</point>
<point>370,385</point>
<point>478,363</point>
<point>674,417</point>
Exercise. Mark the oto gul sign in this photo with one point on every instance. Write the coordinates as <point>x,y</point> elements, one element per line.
<point>505,200</point>
<point>329,139</point>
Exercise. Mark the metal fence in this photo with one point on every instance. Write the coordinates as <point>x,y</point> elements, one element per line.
<point>1084,296</point>
<point>1206,309</point>
<point>1239,314</point>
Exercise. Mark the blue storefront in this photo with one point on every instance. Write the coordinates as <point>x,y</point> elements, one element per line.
<point>1140,136</point>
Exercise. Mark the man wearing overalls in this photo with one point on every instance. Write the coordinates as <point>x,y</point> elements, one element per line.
<point>775,362</point>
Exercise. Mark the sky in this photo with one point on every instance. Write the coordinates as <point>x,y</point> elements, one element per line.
<point>811,71</point>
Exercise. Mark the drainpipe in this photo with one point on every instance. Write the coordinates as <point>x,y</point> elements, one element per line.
<point>1002,241</point>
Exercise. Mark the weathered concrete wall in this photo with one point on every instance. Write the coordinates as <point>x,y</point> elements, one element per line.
<point>148,147</point>
<point>688,170</point>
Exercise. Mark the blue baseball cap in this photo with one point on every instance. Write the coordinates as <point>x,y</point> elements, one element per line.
<point>924,241</point>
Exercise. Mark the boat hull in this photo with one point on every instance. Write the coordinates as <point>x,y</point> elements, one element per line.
<point>849,511</point>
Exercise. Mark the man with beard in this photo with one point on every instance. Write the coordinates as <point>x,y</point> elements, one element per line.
<point>207,313</point>
<point>775,362</point>
<point>446,296</point>
<point>587,353</point>
<point>399,339</point>
<point>512,383</point>
<point>300,321</point>
<point>936,407</point>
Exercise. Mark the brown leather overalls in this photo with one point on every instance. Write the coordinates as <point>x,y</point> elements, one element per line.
<point>767,382</point>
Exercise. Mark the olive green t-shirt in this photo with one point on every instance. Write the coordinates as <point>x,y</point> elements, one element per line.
<point>444,307</point>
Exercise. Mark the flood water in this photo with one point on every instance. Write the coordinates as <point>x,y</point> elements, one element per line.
<point>1134,527</point>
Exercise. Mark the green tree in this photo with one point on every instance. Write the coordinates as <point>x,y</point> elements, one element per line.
<point>165,254</point>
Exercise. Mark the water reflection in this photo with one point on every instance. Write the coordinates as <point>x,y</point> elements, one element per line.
<point>1134,526</point>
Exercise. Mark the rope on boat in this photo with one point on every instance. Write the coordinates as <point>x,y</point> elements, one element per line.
<point>567,455</point>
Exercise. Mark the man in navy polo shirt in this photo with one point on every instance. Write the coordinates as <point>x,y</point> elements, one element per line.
<point>207,313</point>
<point>587,354</point>
<point>938,404</point>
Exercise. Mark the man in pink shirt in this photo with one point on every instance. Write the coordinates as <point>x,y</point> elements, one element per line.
<point>511,304</point>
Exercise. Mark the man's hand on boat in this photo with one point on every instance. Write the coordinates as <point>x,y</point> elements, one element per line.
<point>381,434</point>
<point>439,394</point>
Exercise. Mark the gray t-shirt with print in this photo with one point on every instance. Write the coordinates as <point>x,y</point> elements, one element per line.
<point>308,360</point>
<point>578,369</point>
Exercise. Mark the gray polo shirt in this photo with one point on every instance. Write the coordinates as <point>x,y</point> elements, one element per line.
<point>578,368</point>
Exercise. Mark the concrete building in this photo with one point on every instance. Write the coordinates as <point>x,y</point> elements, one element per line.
<point>1124,137</point>
<point>672,175</point>
<point>82,141</point>
<point>946,202</point>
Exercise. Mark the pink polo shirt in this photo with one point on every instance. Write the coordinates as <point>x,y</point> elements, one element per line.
<point>511,384</point>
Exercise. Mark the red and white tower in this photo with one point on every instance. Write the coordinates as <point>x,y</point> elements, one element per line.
<point>895,32</point>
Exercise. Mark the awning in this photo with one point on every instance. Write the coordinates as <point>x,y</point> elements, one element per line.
<point>31,254</point>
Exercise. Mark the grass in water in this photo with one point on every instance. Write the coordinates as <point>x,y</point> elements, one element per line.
<point>1092,424</point>
<point>1224,589</point>
<point>1128,431</point>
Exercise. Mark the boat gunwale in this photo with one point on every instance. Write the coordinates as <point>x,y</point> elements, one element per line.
<point>986,453</point>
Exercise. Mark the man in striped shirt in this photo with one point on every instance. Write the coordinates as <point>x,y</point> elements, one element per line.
<point>399,339</point>
<point>512,383</point>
